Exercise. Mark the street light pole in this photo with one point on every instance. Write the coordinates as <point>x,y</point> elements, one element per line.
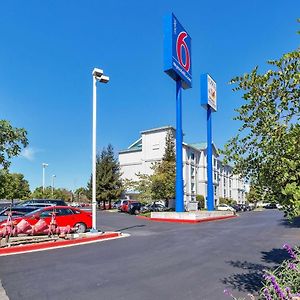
<point>97,76</point>
<point>52,190</point>
<point>44,167</point>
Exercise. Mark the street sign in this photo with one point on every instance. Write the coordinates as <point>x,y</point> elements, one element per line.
<point>208,92</point>
<point>177,51</point>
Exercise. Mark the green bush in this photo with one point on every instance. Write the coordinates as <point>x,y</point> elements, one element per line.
<point>200,199</point>
<point>227,201</point>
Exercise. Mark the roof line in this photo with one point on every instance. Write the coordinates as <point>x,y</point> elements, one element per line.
<point>134,143</point>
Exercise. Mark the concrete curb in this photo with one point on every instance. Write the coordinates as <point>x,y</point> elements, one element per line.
<point>60,244</point>
<point>186,221</point>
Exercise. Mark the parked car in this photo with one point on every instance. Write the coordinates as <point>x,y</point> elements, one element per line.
<point>241,207</point>
<point>154,207</point>
<point>125,206</point>
<point>238,207</point>
<point>16,211</point>
<point>225,207</point>
<point>135,208</point>
<point>64,216</point>
<point>271,206</point>
<point>118,203</point>
<point>40,202</point>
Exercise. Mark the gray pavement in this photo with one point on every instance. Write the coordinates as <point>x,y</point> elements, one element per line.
<point>158,261</point>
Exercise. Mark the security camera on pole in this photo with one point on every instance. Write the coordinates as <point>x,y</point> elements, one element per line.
<point>97,76</point>
<point>209,102</point>
<point>177,64</point>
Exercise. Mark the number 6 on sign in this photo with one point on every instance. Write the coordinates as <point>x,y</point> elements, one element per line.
<point>181,45</point>
<point>177,51</point>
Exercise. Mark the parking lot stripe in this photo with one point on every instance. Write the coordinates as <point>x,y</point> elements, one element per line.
<point>60,244</point>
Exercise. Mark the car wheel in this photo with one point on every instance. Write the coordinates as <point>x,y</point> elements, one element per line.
<point>136,211</point>
<point>81,227</point>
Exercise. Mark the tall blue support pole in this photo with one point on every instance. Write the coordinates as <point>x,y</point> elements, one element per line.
<point>210,187</point>
<point>179,165</point>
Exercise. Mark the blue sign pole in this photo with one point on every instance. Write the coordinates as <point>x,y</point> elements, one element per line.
<point>210,187</point>
<point>179,164</point>
<point>209,102</point>
<point>178,65</point>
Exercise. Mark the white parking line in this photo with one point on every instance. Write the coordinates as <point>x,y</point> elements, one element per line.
<point>3,295</point>
<point>123,235</point>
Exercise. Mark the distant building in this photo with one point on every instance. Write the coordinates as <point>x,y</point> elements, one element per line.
<point>150,148</point>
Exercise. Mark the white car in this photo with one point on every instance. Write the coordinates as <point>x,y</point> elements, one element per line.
<point>225,207</point>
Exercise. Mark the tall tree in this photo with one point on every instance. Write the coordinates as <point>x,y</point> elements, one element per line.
<point>12,140</point>
<point>108,177</point>
<point>267,148</point>
<point>164,177</point>
<point>13,186</point>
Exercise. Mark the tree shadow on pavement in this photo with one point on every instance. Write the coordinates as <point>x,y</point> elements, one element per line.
<point>248,281</point>
<point>295,223</point>
<point>276,256</point>
<point>250,278</point>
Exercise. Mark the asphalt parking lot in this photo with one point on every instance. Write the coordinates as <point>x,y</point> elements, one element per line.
<point>158,260</point>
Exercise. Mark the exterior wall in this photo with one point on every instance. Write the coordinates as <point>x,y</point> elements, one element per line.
<point>131,164</point>
<point>151,150</point>
<point>153,145</point>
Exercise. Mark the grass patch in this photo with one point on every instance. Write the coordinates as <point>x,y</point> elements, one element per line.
<point>146,214</point>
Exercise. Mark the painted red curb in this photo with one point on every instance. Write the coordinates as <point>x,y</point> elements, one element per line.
<point>143,217</point>
<point>49,245</point>
<point>186,221</point>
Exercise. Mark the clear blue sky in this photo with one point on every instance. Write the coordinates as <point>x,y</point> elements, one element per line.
<point>49,48</point>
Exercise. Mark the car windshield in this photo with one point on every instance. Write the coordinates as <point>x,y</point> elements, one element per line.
<point>17,210</point>
<point>34,212</point>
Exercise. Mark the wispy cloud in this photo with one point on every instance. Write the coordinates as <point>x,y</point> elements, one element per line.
<point>29,153</point>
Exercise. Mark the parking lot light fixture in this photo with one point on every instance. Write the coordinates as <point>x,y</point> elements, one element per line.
<point>44,167</point>
<point>53,176</point>
<point>97,76</point>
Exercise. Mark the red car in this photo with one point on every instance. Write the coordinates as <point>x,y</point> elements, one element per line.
<point>125,206</point>
<point>65,215</point>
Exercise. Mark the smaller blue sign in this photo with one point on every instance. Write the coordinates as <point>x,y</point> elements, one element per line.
<point>208,92</point>
<point>177,51</point>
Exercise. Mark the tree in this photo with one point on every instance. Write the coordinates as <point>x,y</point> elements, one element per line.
<point>60,193</point>
<point>227,201</point>
<point>143,185</point>
<point>267,148</point>
<point>108,177</point>
<point>164,177</point>
<point>81,194</point>
<point>201,201</point>
<point>12,140</point>
<point>161,184</point>
<point>255,194</point>
<point>13,186</point>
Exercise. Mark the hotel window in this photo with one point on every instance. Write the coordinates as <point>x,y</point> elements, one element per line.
<point>192,156</point>
<point>192,172</point>
<point>193,188</point>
